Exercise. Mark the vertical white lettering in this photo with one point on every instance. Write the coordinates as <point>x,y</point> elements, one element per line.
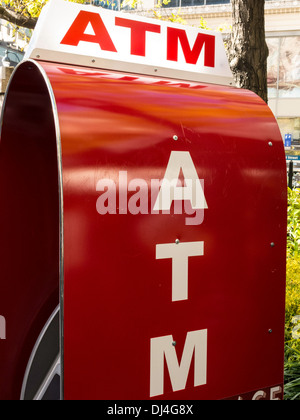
<point>180,254</point>
<point>162,349</point>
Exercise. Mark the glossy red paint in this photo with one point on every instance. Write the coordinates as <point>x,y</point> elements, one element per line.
<point>116,294</point>
<point>29,223</point>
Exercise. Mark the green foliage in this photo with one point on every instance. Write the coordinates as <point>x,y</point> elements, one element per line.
<point>203,24</point>
<point>292,335</point>
<point>292,378</point>
<point>26,7</point>
<point>30,8</point>
<point>172,17</point>
<point>130,3</point>
<point>292,322</point>
<point>293,222</point>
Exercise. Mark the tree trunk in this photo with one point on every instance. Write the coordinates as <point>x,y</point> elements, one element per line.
<point>248,51</point>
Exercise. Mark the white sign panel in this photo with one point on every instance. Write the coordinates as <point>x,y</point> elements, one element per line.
<point>92,36</point>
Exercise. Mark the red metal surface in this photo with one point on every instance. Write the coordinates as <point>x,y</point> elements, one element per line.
<point>117,295</point>
<point>29,223</point>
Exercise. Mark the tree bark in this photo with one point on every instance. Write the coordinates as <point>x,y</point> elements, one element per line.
<point>17,18</point>
<point>248,50</point>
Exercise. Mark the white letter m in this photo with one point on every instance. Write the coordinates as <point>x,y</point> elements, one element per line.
<point>162,348</point>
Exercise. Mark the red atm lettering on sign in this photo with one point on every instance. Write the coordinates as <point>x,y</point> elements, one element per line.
<point>191,55</point>
<point>138,34</point>
<point>76,33</point>
<point>138,29</point>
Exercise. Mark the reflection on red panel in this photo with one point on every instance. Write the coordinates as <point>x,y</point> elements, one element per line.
<point>155,306</point>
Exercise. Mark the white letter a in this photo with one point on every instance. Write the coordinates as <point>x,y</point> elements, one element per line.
<point>170,190</point>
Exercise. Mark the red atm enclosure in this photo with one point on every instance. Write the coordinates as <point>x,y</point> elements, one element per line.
<point>142,217</point>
